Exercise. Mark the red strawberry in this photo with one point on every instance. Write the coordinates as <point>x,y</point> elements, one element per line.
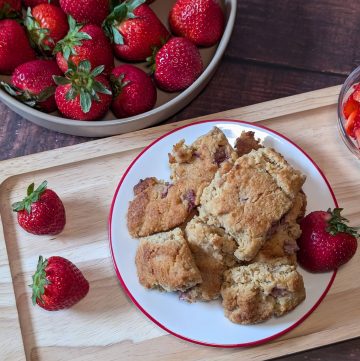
<point>350,106</point>
<point>326,242</point>
<point>46,24</point>
<point>15,48</point>
<point>10,9</point>
<point>135,30</point>
<point>87,11</point>
<point>134,91</point>
<point>83,94</point>
<point>84,43</point>
<point>32,83</point>
<point>176,65</point>
<point>41,211</point>
<point>33,3</point>
<point>201,21</point>
<point>357,134</point>
<point>57,284</point>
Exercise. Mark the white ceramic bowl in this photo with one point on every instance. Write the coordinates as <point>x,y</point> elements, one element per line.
<point>167,104</point>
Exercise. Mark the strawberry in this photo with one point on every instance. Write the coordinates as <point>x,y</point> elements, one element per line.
<point>350,106</point>
<point>32,83</point>
<point>57,284</point>
<point>46,25</point>
<point>352,122</point>
<point>326,242</point>
<point>41,211</point>
<point>134,91</point>
<point>176,65</point>
<point>135,30</point>
<point>83,94</point>
<point>87,11</point>
<point>15,48</point>
<point>201,21</point>
<point>10,9</point>
<point>357,134</point>
<point>33,3</point>
<point>84,43</point>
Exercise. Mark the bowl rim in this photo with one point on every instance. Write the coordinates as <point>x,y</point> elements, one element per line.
<point>354,77</point>
<point>55,119</point>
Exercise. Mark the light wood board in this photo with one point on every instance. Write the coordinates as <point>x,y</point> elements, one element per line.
<point>106,325</point>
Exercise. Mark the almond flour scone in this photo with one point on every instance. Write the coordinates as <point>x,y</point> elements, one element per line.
<point>158,206</point>
<point>196,165</point>
<point>250,199</point>
<point>254,293</point>
<point>246,143</point>
<point>164,261</point>
<point>213,252</point>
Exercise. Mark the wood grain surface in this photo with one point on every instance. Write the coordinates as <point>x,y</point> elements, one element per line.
<point>278,48</point>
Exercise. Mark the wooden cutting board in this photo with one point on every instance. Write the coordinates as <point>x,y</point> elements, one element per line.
<point>106,325</point>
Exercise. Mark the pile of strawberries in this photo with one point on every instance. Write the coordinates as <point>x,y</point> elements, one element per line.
<point>351,110</point>
<point>60,53</point>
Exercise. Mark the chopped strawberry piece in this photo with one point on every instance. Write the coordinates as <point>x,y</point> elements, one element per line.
<point>349,125</point>
<point>350,106</point>
<point>357,136</point>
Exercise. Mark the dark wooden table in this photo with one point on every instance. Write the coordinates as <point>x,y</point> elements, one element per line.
<point>278,48</point>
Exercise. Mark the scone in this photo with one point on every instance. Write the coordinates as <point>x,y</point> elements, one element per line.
<point>254,293</point>
<point>246,143</point>
<point>164,261</point>
<point>282,244</point>
<point>213,252</point>
<point>250,199</point>
<point>158,206</point>
<point>196,165</point>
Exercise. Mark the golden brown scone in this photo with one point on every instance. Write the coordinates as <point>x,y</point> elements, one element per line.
<point>246,143</point>
<point>256,292</point>
<point>158,206</point>
<point>250,199</point>
<point>213,252</point>
<point>196,165</point>
<point>164,261</point>
<point>282,244</point>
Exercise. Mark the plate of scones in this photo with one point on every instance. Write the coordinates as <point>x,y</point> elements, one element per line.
<point>203,233</point>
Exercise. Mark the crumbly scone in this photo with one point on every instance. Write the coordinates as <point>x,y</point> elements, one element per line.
<point>158,206</point>
<point>196,165</point>
<point>282,244</point>
<point>246,143</point>
<point>164,261</point>
<point>213,252</point>
<point>256,292</point>
<point>250,199</point>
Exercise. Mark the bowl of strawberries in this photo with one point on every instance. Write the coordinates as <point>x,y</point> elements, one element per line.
<point>105,67</point>
<point>349,112</point>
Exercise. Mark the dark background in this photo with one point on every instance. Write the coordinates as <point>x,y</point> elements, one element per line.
<point>278,48</point>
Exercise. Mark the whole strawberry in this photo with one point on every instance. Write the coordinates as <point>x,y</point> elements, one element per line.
<point>135,30</point>
<point>46,25</point>
<point>32,83</point>
<point>41,211</point>
<point>326,242</point>
<point>33,3</point>
<point>57,284</point>
<point>15,48</point>
<point>87,11</point>
<point>10,9</point>
<point>134,91</point>
<point>176,65</point>
<point>201,21</point>
<point>86,42</point>
<point>83,94</point>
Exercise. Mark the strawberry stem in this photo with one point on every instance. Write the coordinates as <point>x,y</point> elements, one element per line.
<point>32,197</point>
<point>336,223</point>
<point>39,281</point>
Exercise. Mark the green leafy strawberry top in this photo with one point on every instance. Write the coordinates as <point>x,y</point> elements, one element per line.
<point>337,223</point>
<point>7,12</point>
<point>39,280</point>
<point>83,83</point>
<point>32,196</point>
<point>120,13</point>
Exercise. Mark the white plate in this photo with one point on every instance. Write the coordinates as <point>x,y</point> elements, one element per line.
<point>201,322</point>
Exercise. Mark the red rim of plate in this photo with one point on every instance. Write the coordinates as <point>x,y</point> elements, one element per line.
<point>254,343</point>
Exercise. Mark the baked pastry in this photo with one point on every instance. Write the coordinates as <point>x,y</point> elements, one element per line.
<point>213,252</point>
<point>164,261</point>
<point>246,143</point>
<point>196,165</point>
<point>250,199</point>
<point>256,292</point>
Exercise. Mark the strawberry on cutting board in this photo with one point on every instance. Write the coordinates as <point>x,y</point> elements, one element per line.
<point>201,21</point>
<point>135,30</point>
<point>10,9</point>
<point>326,242</point>
<point>41,211</point>
<point>57,284</point>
